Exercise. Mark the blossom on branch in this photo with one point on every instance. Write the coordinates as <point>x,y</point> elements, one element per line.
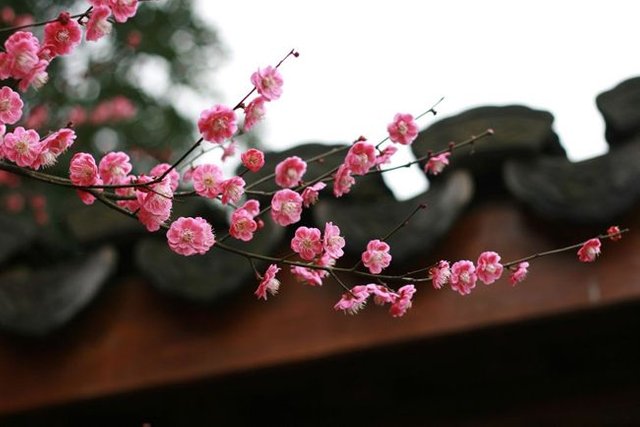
<point>385,156</point>
<point>232,190</point>
<point>62,35</point>
<point>268,82</point>
<point>403,129</point>
<point>488,267</point>
<point>269,283</point>
<point>463,277</point>
<point>10,106</point>
<point>253,159</point>
<point>589,250</point>
<point>519,274</point>
<point>98,24</point>
<point>307,243</point>
<point>403,302</point>
<point>173,176</point>
<point>190,236</point>
<point>308,276</point>
<point>440,274</point>
<point>354,300</point>
<point>83,171</point>
<point>254,112</point>
<point>376,257</point>
<point>22,146</point>
<point>207,180</point>
<point>310,194</point>
<point>242,225</point>
<point>217,123</point>
<point>436,164</point>
<point>614,233</point>
<point>114,167</point>
<point>286,207</point>
<point>290,171</point>
<point>360,158</point>
<point>381,294</point>
<point>333,242</point>
<point>342,181</point>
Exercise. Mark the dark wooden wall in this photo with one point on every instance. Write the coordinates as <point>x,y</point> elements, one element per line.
<point>560,348</point>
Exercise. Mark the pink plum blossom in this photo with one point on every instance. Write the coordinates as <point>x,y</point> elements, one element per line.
<point>83,170</point>
<point>10,106</point>
<point>381,294</point>
<point>403,302</point>
<point>36,77</point>
<point>242,225</point>
<point>269,283</point>
<point>463,277</point>
<point>20,56</point>
<point>63,35</point>
<point>488,267</point>
<point>229,150</point>
<point>268,82</point>
<point>589,250</point>
<point>114,167</point>
<point>403,129</point>
<point>440,274</point>
<point>232,190</point>
<point>436,164</point>
<point>308,276</point>
<point>60,141</point>
<point>354,301</point>
<point>333,242</point>
<point>376,257</point>
<point>152,221</point>
<point>307,243</point>
<point>154,203</point>
<point>520,274</point>
<point>22,146</point>
<point>253,159</point>
<point>614,233</point>
<point>310,194</point>
<point>52,146</point>
<point>190,236</point>
<point>98,24</point>
<point>131,205</point>
<point>385,156</point>
<point>217,123</point>
<point>289,172</point>
<point>252,206</point>
<point>286,207</point>
<point>207,180</point>
<point>360,158</point>
<point>157,200</point>
<point>123,9</point>
<point>254,112</point>
<point>173,176</point>
<point>342,181</point>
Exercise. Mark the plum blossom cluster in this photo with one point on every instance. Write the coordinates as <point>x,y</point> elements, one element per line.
<point>320,249</point>
<point>463,275</point>
<point>149,196</point>
<point>26,57</point>
<point>356,298</point>
<point>25,147</point>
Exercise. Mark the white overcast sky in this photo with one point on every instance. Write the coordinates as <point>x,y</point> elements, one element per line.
<point>362,61</point>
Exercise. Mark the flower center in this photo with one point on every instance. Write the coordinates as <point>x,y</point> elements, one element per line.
<point>22,146</point>
<point>187,236</point>
<point>63,36</point>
